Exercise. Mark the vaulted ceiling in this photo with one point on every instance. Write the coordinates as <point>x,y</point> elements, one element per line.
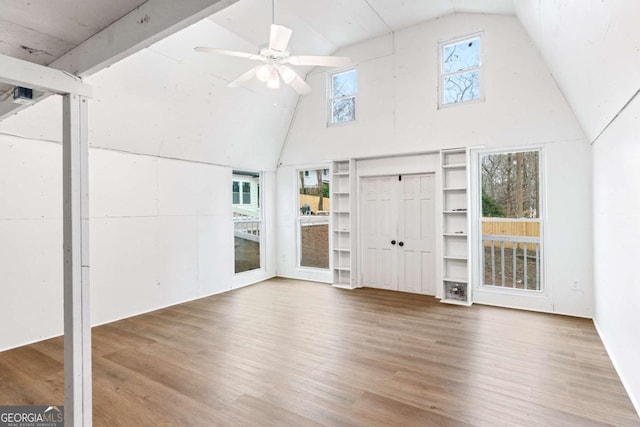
<point>592,48</point>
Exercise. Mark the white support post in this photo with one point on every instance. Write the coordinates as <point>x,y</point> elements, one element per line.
<point>77,326</point>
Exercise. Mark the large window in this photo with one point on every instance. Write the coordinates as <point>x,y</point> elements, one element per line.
<point>313,218</point>
<point>342,97</point>
<point>511,223</point>
<point>460,70</point>
<point>247,220</point>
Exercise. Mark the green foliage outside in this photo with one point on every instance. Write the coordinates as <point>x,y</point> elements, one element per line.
<point>491,208</point>
<point>325,189</point>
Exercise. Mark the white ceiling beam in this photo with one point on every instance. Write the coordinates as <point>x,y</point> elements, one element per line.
<point>17,72</point>
<point>140,28</point>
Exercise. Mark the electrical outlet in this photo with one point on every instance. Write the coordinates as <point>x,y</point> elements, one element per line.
<point>575,285</point>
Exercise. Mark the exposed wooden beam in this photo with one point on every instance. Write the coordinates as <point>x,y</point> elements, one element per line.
<point>77,326</point>
<point>140,28</point>
<point>17,72</point>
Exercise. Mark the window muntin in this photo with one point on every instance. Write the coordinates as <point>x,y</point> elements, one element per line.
<point>460,71</point>
<point>313,219</point>
<point>342,102</point>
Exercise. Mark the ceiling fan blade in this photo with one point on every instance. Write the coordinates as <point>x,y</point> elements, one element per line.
<point>243,78</point>
<point>279,37</point>
<point>300,85</point>
<point>320,61</point>
<point>235,53</point>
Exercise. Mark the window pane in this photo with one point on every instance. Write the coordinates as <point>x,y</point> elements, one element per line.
<point>510,223</point>
<point>246,221</point>
<point>460,56</point>
<point>343,110</point>
<point>314,194</point>
<point>344,84</point>
<point>314,245</point>
<point>246,193</point>
<point>461,87</point>
<point>510,185</point>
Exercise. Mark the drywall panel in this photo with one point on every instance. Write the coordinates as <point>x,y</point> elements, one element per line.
<point>591,48</point>
<point>127,185</point>
<point>161,233</point>
<point>397,101</point>
<point>616,210</point>
<point>30,279</point>
<point>27,170</point>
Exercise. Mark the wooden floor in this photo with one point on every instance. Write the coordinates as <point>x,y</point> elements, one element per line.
<point>295,353</point>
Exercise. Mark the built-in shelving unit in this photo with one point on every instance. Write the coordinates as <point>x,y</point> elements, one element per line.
<point>455,227</point>
<point>343,207</point>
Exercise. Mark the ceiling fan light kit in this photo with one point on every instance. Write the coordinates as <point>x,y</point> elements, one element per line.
<point>274,57</point>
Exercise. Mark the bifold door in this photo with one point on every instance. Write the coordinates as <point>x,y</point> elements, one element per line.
<point>397,219</point>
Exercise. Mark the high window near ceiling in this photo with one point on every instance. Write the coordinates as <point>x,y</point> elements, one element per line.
<point>460,70</point>
<point>313,218</point>
<point>247,220</point>
<point>342,97</point>
<point>511,221</point>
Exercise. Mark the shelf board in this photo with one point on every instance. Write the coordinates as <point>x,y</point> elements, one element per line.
<point>464,212</point>
<point>341,212</point>
<point>341,174</point>
<point>342,231</point>
<point>455,302</point>
<point>341,193</point>
<point>455,166</point>
<point>454,150</point>
<point>342,249</point>
<point>342,268</point>
<point>455,258</point>
<point>455,280</point>
<point>455,234</point>
<point>455,189</point>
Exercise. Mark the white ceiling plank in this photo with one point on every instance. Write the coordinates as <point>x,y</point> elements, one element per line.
<point>17,72</point>
<point>145,25</point>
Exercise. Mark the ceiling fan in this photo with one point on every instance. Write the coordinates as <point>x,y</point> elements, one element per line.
<point>275,58</point>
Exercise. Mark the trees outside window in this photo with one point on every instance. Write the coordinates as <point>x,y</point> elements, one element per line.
<point>460,71</point>
<point>342,97</point>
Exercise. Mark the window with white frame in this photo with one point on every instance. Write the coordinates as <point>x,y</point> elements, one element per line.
<point>511,220</point>
<point>313,218</point>
<point>342,97</point>
<point>460,66</point>
<point>247,220</point>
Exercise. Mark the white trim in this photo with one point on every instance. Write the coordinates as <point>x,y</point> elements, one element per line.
<point>17,72</point>
<point>330,98</point>
<point>77,326</point>
<point>634,400</point>
<point>441,74</point>
<point>317,219</point>
<point>498,295</point>
<point>261,219</point>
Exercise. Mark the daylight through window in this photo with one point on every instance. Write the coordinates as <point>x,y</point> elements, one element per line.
<point>313,218</point>
<point>511,221</point>
<point>342,102</point>
<point>460,71</point>
<point>247,220</point>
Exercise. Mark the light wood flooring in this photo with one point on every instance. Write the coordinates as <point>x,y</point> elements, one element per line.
<point>293,353</point>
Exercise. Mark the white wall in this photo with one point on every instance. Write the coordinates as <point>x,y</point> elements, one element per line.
<point>397,113</point>
<point>591,48</point>
<point>161,233</point>
<point>165,133</point>
<point>616,182</point>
